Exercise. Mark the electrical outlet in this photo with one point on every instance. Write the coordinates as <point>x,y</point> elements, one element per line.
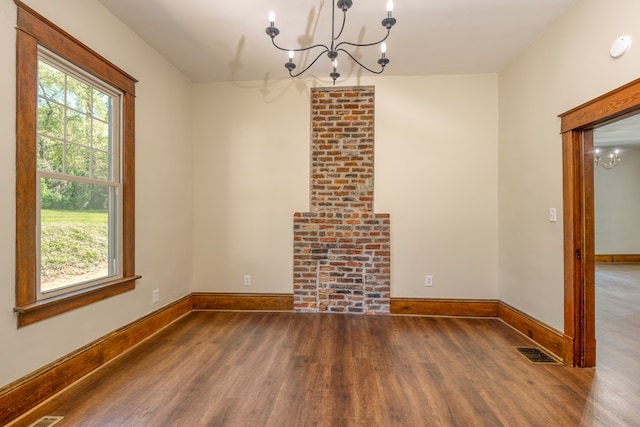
<point>428,280</point>
<point>156,295</point>
<point>247,280</point>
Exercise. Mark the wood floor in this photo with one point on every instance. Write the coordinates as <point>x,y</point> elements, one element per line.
<point>618,340</point>
<point>286,369</point>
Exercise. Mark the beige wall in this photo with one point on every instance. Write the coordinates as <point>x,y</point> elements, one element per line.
<point>564,67</point>
<point>436,174</point>
<point>250,175</point>
<point>164,188</point>
<point>617,205</point>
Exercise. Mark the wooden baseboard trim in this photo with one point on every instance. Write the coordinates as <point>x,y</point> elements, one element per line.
<point>229,301</point>
<point>568,351</point>
<point>444,307</point>
<point>24,394</point>
<point>547,337</point>
<point>618,258</point>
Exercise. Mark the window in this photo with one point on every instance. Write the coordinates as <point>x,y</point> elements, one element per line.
<point>78,179</point>
<point>74,174</point>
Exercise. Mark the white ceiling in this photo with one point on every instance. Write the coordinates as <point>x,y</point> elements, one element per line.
<point>212,41</point>
<point>621,134</point>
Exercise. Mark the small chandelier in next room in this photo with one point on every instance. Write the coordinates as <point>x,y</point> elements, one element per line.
<point>335,46</point>
<point>613,159</point>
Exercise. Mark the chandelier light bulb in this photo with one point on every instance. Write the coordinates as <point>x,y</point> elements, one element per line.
<point>390,6</point>
<point>290,65</point>
<point>383,61</point>
<point>272,18</point>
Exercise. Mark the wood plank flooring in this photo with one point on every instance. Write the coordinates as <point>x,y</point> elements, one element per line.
<point>618,339</point>
<point>286,369</point>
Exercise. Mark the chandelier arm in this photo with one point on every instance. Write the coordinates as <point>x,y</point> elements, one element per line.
<point>605,167</point>
<point>364,44</point>
<point>344,21</point>
<point>326,49</point>
<point>301,49</point>
<point>360,63</point>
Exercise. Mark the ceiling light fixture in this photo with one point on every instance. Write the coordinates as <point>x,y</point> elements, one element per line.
<point>335,47</point>
<point>614,159</point>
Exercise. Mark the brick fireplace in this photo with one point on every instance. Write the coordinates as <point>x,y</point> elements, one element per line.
<point>342,248</point>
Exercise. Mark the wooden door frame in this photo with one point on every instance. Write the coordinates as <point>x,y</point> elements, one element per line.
<point>579,246</point>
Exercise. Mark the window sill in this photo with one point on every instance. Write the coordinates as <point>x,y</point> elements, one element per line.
<point>40,310</point>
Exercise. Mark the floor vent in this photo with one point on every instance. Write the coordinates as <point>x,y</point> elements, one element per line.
<point>535,355</point>
<point>46,421</point>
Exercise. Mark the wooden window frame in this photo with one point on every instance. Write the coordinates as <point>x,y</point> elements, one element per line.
<point>33,30</point>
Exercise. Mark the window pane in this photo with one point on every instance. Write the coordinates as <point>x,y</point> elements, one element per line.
<point>78,95</point>
<point>101,105</point>
<point>100,166</point>
<point>50,154</point>
<point>78,127</point>
<point>101,135</point>
<point>74,233</point>
<point>50,118</point>
<point>78,160</point>
<point>50,82</point>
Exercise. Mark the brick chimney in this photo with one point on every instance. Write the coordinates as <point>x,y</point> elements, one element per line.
<point>341,258</point>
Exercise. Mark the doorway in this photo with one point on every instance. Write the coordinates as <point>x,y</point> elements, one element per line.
<point>577,127</point>
<point>617,242</point>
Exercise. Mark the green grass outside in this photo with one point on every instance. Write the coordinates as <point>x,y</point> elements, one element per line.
<point>73,245</point>
<point>81,217</point>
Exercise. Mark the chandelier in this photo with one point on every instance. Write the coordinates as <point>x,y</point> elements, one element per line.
<point>335,47</point>
<point>614,159</point>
